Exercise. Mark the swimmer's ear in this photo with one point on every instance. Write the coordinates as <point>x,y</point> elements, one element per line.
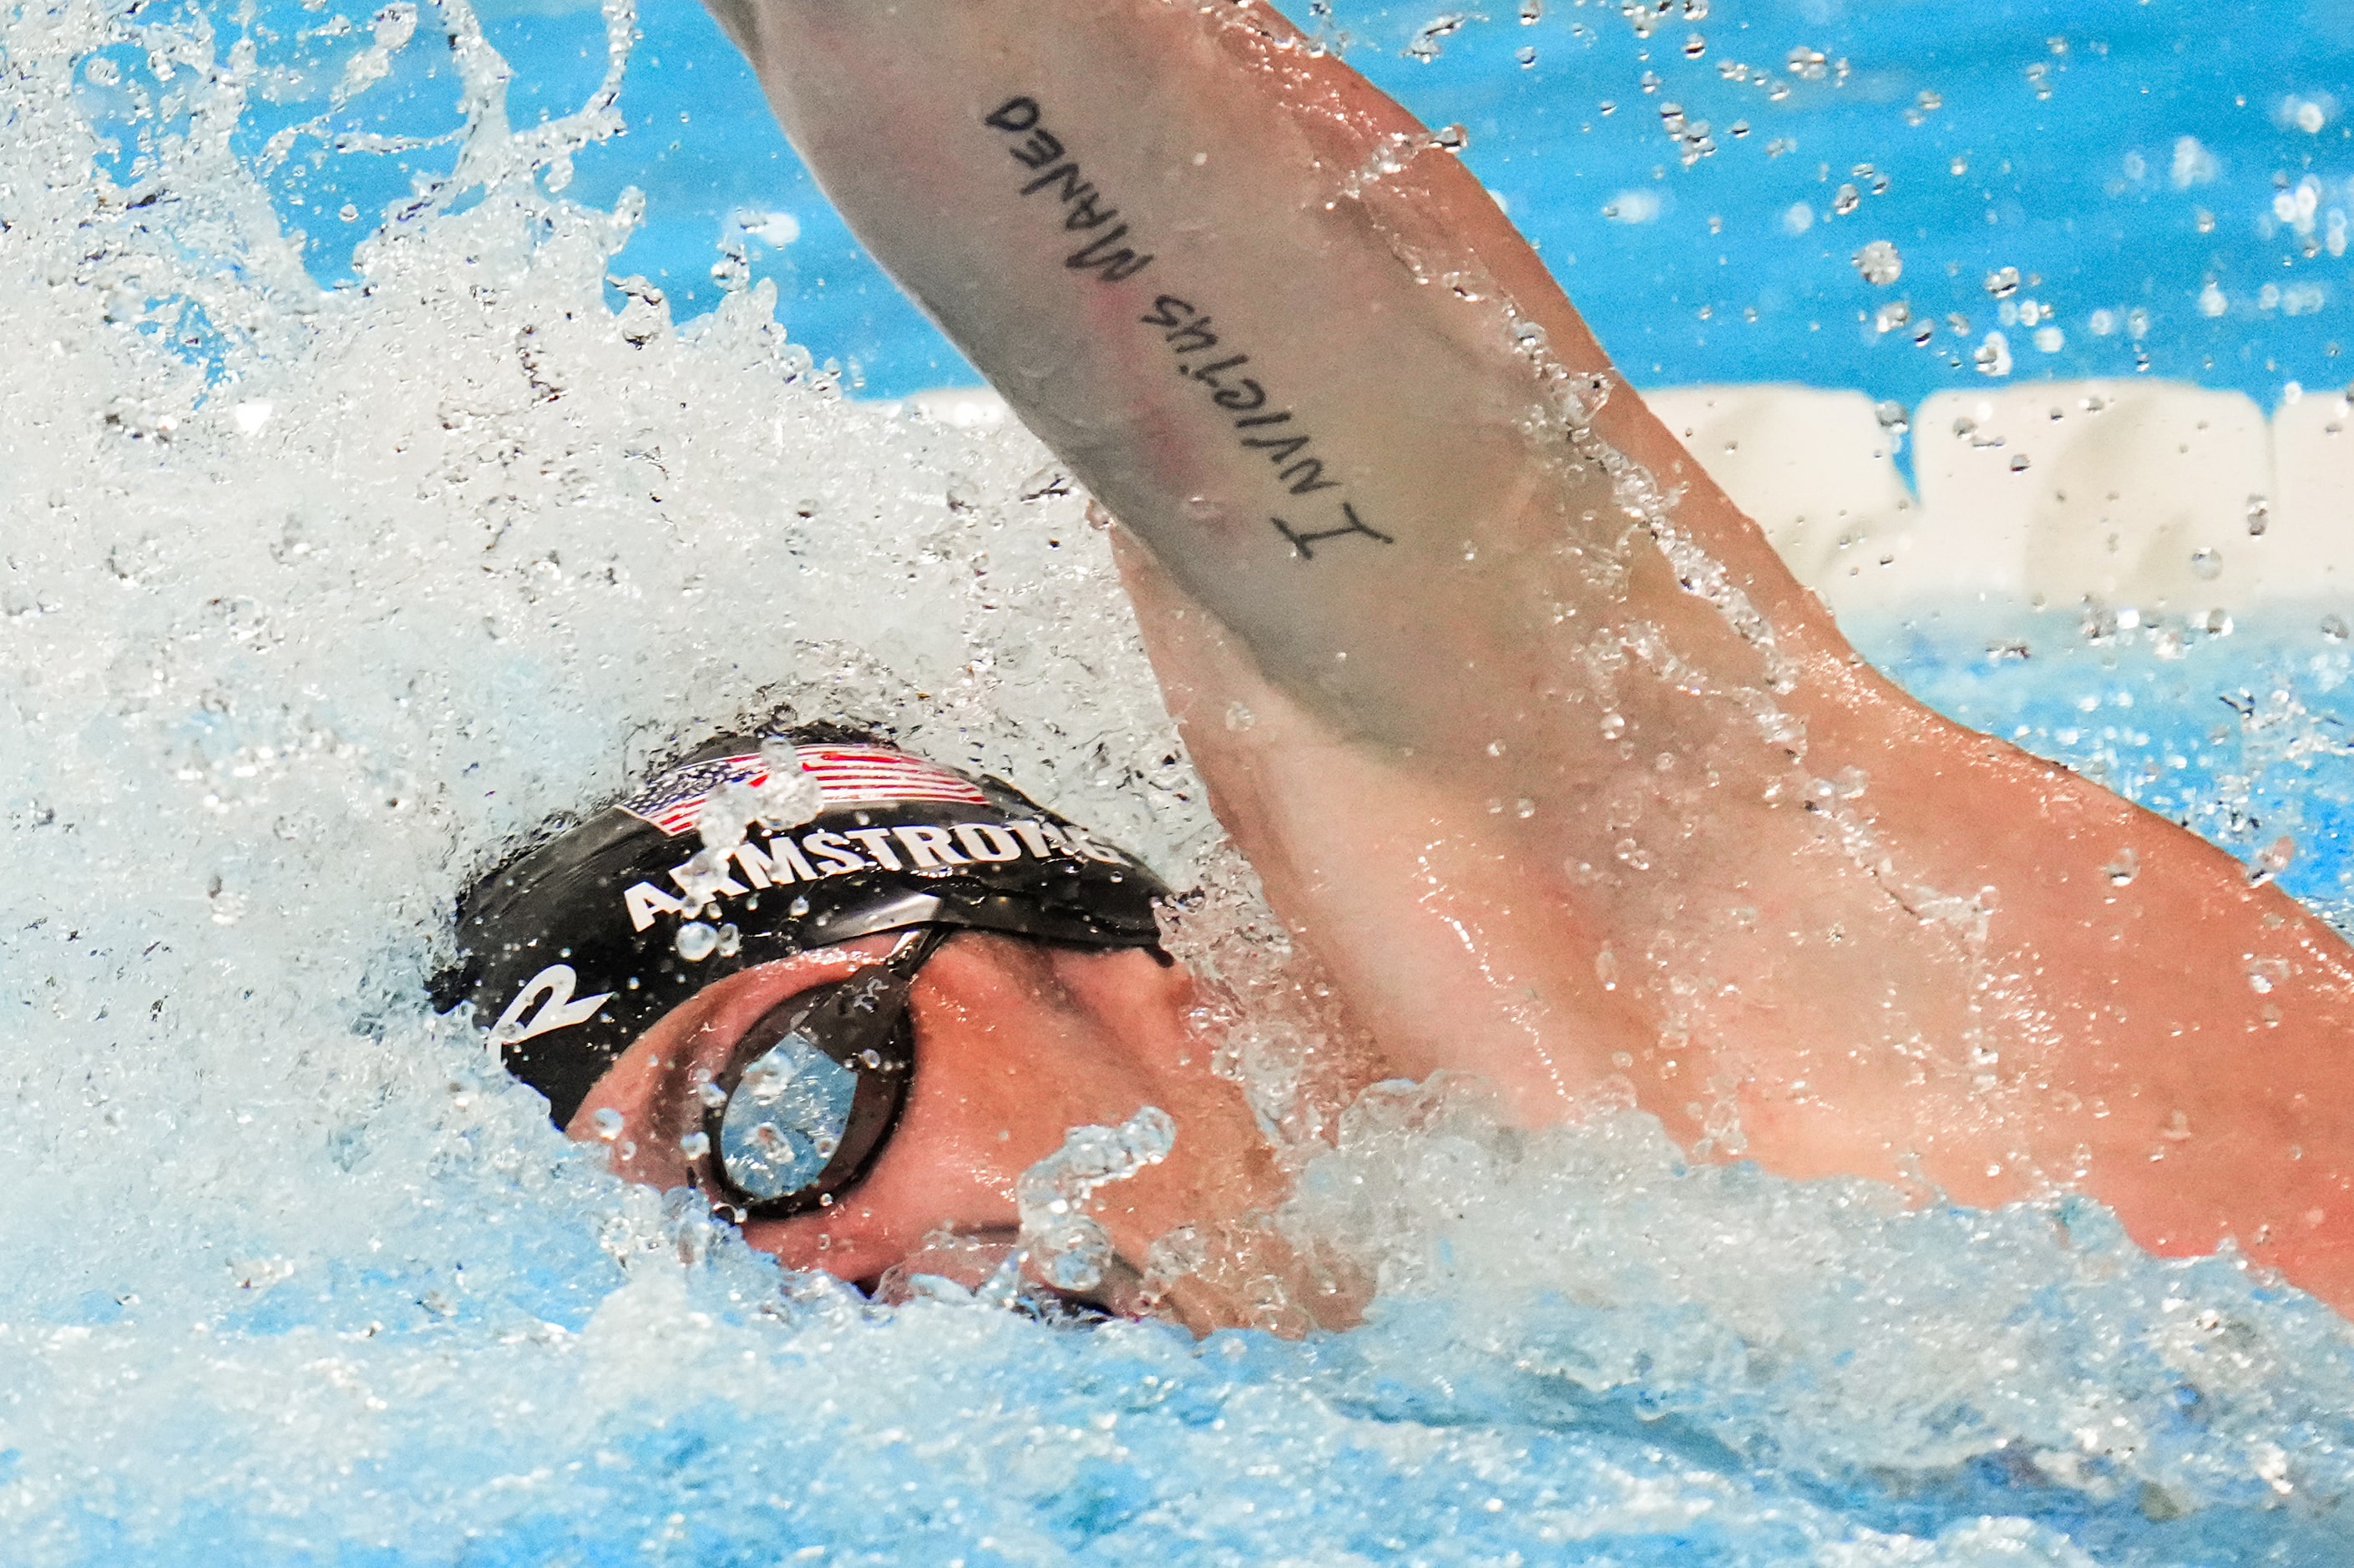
<point>735,19</point>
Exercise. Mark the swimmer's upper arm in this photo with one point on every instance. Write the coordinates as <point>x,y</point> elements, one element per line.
<point>1279,332</point>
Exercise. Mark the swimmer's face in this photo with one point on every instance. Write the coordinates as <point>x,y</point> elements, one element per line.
<point>1016,1042</point>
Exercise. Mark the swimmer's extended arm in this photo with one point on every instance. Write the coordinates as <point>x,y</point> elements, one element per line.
<point>1275,327</point>
<point>1551,802</point>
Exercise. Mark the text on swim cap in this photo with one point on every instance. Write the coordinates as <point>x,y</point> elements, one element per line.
<point>783,860</point>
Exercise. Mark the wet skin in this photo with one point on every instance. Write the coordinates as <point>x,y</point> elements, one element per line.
<point>1547,757</point>
<point>1015,1042</point>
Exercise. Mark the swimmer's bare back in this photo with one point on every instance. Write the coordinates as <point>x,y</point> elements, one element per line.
<point>1530,735</point>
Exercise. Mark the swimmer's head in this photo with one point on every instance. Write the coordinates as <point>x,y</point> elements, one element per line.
<point>752,1021</point>
<point>571,951</point>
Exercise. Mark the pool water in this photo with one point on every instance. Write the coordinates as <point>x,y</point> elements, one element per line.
<point>2165,179</point>
<point>330,570</point>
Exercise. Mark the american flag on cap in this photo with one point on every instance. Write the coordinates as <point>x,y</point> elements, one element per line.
<point>844,775</point>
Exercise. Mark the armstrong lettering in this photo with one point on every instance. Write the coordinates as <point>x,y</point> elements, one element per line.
<point>1263,428</point>
<point>782,860</point>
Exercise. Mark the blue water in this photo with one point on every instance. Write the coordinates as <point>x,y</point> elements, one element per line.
<point>313,601</point>
<point>2065,121</point>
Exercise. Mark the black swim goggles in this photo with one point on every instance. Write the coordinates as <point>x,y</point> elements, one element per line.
<point>812,1090</point>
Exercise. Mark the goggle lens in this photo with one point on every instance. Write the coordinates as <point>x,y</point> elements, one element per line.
<point>814,1088</point>
<point>784,1123</point>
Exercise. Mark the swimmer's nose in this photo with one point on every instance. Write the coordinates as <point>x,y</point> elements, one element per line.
<point>968,1260</point>
<point>978,1259</point>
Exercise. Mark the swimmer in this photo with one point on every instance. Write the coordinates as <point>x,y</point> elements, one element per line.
<point>858,1025</point>
<point>1533,742</point>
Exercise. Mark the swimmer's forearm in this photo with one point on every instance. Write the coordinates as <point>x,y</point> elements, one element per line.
<point>1282,335</point>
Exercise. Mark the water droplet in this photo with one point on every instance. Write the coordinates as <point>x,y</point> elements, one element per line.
<point>731,941</point>
<point>2272,859</point>
<point>2002,282</point>
<point>2124,868</point>
<point>1425,45</point>
<point>711,1095</point>
<point>1846,200</point>
<point>696,941</point>
<point>787,795</point>
<point>1879,261</point>
<point>798,908</point>
<point>1239,718</point>
<point>2334,627</point>
<point>2260,516</point>
<point>2207,565</point>
<point>1526,54</point>
<point>870,1058</point>
<point>1613,725</point>
<point>608,1123</point>
<point>705,870</point>
<point>2019,462</point>
<point>695,1145</point>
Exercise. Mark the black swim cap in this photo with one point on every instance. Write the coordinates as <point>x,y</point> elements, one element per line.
<point>570,950</point>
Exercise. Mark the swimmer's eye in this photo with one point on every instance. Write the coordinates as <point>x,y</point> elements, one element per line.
<point>812,1091</point>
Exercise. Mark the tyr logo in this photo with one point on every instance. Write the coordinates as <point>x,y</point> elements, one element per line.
<point>551,989</point>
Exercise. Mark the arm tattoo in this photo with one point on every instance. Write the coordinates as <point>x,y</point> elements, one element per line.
<point>1186,330</point>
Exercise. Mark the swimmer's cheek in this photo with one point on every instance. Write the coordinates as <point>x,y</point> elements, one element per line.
<point>848,1245</point>
<point>854,1240</point>
<point>919,1188</point>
